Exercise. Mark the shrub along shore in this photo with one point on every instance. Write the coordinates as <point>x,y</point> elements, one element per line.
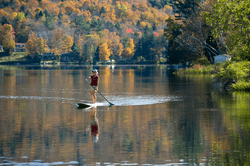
<point>231,74</point>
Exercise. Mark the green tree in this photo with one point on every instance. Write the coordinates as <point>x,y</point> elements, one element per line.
<point>96,56</point>
<point>20,16</point>
<point>125,41</point>
<point>154,27</point>
<point>60,15</point>
<point>187,8</point>
<point>99,25</point>
<point>75,52</point>
<point>103,10</point>
<point>146,47</point>
<point>93,23</point>
<point>187,32</point>
<point>39,14</point>
<point>49,19</point>
<point>28,14</point>
<point>229,20</point>
<point>118,26</point>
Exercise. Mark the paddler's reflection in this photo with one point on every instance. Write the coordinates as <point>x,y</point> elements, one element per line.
<point>94,125</point>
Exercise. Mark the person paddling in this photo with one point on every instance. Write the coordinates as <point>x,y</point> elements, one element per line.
<point>95,79</point>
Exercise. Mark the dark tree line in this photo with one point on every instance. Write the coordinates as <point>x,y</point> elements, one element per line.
<point>189,36</point>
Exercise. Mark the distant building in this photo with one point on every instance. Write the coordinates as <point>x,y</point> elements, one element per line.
<point>19,47</point>
<point>1,48</point>
<point>221,58</point>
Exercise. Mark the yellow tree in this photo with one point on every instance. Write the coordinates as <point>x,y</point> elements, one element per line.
<point>32,45</point>
<point>56,42</point>
<point>46,47</point>
<point>8,41</point>
<point>56,37</point>
<point>104,52</point>
<point>79,45</point>
<point>67,43</point>
<point>131,45</point>
<point>40,45</point>
<point>129,51</point>
<point>131,48</point>
<point>120,49</point>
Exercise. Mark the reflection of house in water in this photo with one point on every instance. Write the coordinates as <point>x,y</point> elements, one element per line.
<point>19,47</point>
<point>48,56</point>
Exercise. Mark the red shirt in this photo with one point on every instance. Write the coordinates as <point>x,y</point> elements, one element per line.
<point>94,130</point>
<point>94,80</point>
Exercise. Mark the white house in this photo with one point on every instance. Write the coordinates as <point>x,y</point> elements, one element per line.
<point>221,58</point>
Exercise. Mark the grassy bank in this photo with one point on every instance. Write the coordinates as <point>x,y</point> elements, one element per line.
<point>232,75</point>
<point>197,69</point>
<point>15,57</point>
<point>236,74</point>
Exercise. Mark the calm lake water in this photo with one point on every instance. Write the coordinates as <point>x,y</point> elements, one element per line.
<point>158,118</point>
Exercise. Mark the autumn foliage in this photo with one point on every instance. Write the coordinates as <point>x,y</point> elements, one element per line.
<point>53,26</point>
<point>7,36</point>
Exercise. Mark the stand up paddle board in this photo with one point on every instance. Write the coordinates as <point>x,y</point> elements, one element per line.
<point>87,105</point>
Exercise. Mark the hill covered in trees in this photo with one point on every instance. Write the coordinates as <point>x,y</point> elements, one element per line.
<point>91,30</point>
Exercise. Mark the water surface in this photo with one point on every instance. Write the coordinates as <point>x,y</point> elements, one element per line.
<point>158,118</point>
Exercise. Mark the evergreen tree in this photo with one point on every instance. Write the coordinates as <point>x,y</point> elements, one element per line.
<point>79,20</point>
<point>155,3</point>
<point>125,41</point>
<point>85,26</point>
<point>39,15</point>
<point>147,30</point>
<point>154,27</point>
<point>96,56</point>
<point>23,8</point>
<point>4,21</point>
<point>138,23</point>
<point>103,10</point>
<point>28,14</point>
<point>75,52</point>
<point>93,23</point>
<point>187,8</point>
<point>60,15</point>
<point>145,47</point>
<point>167,2</point>
<point>88,55</point>
<point>174,50</point>
<point>99,25</point>
<point>118,26</point>
<point>47,13</point>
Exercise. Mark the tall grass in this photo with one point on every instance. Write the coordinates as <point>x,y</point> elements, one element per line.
<point>197,69</point>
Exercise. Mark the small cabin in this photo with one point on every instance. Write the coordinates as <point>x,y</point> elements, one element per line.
<point>19,47</point>
<point>221,58</point>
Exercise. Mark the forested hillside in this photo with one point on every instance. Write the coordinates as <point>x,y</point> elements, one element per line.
<point>91,30</point>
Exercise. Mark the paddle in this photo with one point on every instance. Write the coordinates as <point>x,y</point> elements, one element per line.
<point>101,95</point>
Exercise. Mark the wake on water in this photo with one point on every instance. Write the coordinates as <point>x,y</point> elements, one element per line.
<point>118,100</point>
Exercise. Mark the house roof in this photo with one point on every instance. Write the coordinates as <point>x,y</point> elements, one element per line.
<point>20,43</point>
